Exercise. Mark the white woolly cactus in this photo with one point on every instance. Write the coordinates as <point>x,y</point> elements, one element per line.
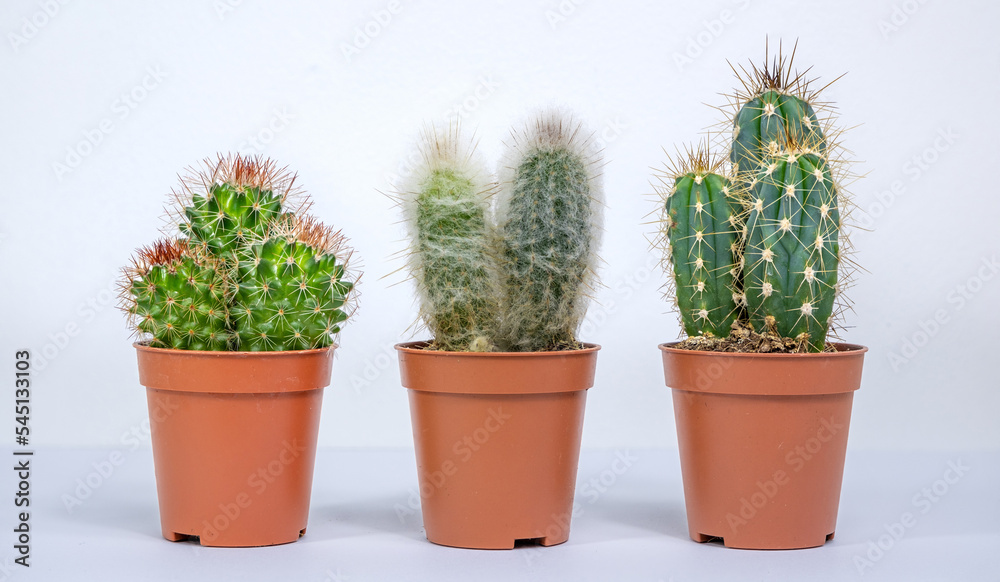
<point>522,283</point>
<point>549,225</point>
<point>446,209</point>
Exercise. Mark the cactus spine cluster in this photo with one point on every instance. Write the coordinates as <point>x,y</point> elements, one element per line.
<point>518,281</point>
<point>784,208</point>
<point>246,269</point>
<point>703,231</point>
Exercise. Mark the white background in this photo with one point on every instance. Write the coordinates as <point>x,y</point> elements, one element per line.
<point>352,122</point>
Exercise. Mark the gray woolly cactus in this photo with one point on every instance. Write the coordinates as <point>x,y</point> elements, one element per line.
<point>549,221</point>
<point>446,209</point>
<point>702,226</point>
<point>252,271</point>
<point>793,245</point>
<point>178,296</point>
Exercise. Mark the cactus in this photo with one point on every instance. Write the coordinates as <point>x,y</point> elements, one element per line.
<point>793,245</point>
<point>774,103</point>
<point>229,204</point>
<point>177,296</point>
<point>548,223</point>
<point>292,293</point>
<point>253,271</point>
<point>446,209</point>
<point>702,229</point>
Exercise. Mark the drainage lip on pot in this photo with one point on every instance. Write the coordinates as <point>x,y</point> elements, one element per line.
<point>233,372</point>
<point>496,372</point>
<point>764,374</point>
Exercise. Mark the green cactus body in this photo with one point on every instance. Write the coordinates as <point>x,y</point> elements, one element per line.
<point>456,275</point>
<point>768,119</point>
<point>178,297</point>
<point>548,237</point>
<point>292,295</point>
<point>704,231</point>
<point>793,249</point>
<point>230,216</point>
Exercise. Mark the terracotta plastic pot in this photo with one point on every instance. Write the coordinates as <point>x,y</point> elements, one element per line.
<point>234,441</point>
<point>763,439</point>
<point>497,439</point>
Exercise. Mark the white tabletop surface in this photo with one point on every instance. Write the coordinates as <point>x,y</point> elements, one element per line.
<point>362,527</point>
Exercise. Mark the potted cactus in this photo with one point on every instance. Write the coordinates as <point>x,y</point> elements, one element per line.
<point>236,312</point>
<point>755,251</point>
<point>502,271</point>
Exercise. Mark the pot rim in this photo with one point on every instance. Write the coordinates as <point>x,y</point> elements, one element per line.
<point>145,347</point>
<point>844,350</point>
<point>415,347</point>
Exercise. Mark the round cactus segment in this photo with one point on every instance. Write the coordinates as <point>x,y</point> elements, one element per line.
<point>292,292</point>
<point>229,216</point>
<point>704,231</point>
<point>548,221</point>
<point>793,249</point>
<point>178,297</point>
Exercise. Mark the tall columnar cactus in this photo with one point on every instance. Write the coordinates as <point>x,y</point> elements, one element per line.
<point>793,245</point>
<point>253,272</point>
<point>292,291</point>
<point>178,296</point>
<point>703,231</point>
<point>446,209</point>
<point>548,223</point>
<point>773,103</point>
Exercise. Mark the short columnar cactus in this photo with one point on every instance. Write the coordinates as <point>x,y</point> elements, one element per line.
<point>774,103</point>
<point>702,229</point>
<point>178,296</point>
<point>793,248</point>
<point>548,221</point>
<point>251,271</point>
<point>446,209</point>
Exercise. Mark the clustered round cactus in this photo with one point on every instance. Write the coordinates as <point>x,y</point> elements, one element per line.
<point>512,274</point>
<point>759,240</point>
<point>244,267</point>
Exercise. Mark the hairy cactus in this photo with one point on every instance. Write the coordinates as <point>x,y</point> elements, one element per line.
<point>292,293</point>
<point>252,273</point>
<point>774,103</point>
<point>177,296</point>
<point>446,209</point>
<point>548,223</point>
<point>702,229</point>
<point>793,245</point>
